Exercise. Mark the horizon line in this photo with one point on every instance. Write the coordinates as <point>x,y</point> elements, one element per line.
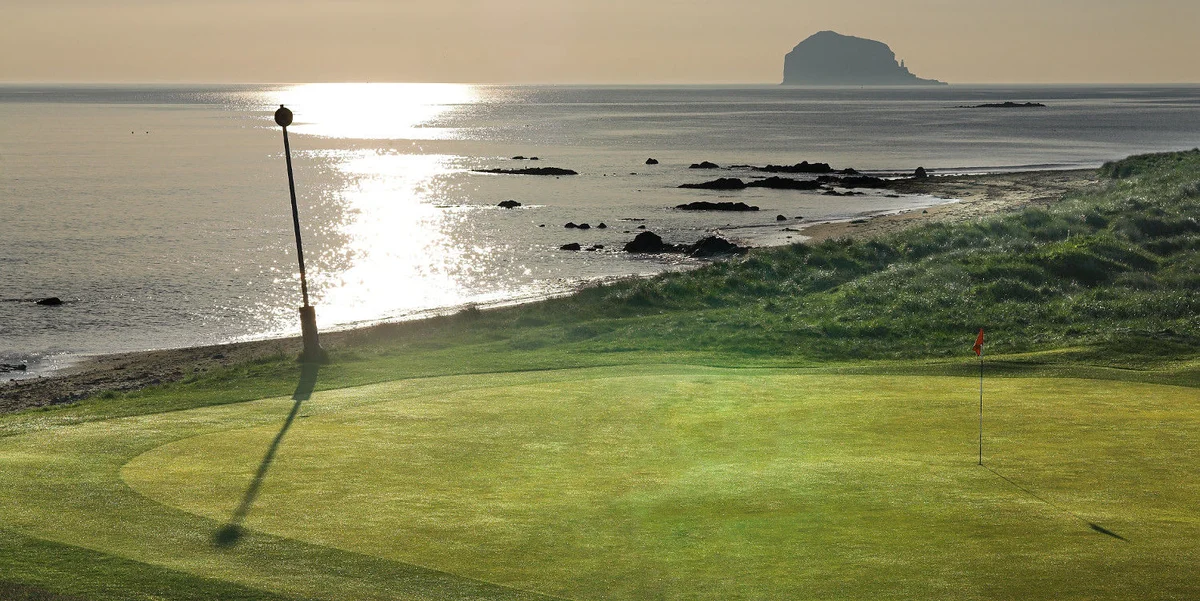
<point>578,84</point>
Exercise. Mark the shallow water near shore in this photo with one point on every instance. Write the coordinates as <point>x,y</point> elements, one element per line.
<point>160,215</point>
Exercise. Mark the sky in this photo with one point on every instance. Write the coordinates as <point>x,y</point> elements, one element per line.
<point>586,41</point>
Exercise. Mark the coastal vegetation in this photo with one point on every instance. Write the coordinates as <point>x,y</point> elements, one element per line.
<point>798,422</point>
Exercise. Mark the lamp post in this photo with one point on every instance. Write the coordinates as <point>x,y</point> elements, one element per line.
<point>313,352</point>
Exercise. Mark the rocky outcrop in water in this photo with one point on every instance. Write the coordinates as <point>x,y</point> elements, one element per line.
<point>706,247</point>
<point>1005,105</point>
<point>650,242</point>
<point>724,183</point>
<point>530,171</point>
<point>785,183</point>
<point>715,246</point>
<point>773,182</point>
<point>828,58</point>
<point>704,205</point>
<point>854,181</point>
<point>801,167</point>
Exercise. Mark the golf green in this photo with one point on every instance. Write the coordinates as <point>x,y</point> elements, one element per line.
<point>647,482</point>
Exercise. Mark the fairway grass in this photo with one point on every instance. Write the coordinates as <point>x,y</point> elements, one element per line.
<point>648,482</point>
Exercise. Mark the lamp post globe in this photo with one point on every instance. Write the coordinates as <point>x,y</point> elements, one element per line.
<point>283,116</point>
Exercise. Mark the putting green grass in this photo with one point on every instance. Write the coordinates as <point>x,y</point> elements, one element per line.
<point>649,482</point>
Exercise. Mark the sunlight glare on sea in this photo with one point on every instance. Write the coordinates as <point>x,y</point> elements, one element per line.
<point>373,111</point>
<point>392,248</point>
<point>399,252</point>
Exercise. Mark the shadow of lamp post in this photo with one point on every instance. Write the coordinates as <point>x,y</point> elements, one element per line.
<point>313,353</point>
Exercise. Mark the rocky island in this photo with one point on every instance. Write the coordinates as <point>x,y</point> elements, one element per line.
<point>828,58</point>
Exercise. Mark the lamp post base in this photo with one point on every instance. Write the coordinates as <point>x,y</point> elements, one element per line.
<point>312,353</point>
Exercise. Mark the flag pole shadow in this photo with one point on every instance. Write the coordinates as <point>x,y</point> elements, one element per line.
<point>229,534</point>
<point>1093,525</point>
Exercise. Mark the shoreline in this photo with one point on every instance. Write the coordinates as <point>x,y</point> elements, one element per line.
<point>82,376</point>
<point>970,197</point>
<point>967,197</point>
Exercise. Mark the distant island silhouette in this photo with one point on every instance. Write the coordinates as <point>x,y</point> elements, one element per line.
<point>1008,104</point>
<point>830,58</point>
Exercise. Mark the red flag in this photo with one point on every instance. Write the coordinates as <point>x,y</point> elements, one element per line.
<point>978,348</point>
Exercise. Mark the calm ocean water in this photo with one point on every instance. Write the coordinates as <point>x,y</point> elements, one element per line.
<point>160,213</point>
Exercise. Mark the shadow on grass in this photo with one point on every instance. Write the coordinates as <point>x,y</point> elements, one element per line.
<point>1092,525</point>
<point>1106,531</point>
<point>232,532</point>
<point>20,592</point>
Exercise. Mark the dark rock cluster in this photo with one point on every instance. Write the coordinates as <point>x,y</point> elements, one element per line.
<point>709,246</point>
<point>704,205</point>
<point>854,181</point>
<point>784,183</point>
<point>801,167</point>
<point>1005,105</point>
<point>773,182</point>
<point>530,171</point>
<point>724,183</point>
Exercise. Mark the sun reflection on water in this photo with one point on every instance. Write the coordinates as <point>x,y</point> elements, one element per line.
<point>399,255</point>
<point>374,111</point>
<point>389,247</point>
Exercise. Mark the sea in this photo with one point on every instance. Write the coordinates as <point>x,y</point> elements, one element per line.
<point>160,214</point>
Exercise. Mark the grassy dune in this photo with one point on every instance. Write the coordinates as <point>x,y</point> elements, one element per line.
<point>797,424</point>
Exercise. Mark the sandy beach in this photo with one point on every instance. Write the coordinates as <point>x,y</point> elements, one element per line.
<point>976,196</point>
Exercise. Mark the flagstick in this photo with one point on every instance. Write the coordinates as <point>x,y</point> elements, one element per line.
<point>980,405</point>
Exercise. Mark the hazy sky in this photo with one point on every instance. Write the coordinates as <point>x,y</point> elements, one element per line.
<point>586,41</point>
